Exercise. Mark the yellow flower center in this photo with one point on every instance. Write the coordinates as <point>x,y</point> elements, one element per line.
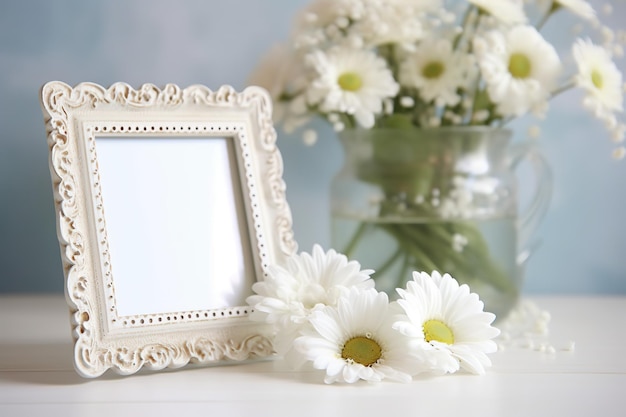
<point>362,350</point>
<point>433,69</point>
<point>519,65</point>
<point>439,331</point>
<point>350,81</point>
<point>596,79</point>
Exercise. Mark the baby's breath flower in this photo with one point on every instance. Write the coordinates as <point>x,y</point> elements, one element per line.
<point>309,137</point>
<point>534,131</point>
<point>507,11</point>
<point>407,101</point>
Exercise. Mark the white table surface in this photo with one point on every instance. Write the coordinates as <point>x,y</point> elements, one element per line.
<point>37,375</point>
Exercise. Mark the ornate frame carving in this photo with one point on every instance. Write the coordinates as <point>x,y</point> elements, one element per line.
<point>74,117</point>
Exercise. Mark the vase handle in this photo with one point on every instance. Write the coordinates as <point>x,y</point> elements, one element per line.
<point>529,220</point>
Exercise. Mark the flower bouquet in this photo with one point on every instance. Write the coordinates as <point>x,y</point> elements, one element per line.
<point>326,312</point>
<point>416,90</point>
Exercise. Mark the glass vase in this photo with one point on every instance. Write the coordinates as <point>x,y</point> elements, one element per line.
<point>443,199</point>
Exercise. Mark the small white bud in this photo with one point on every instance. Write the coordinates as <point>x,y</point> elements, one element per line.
<point>577,29</point>
<point>406,101</point>
<point>387,106</point>
<point>619,153</point>
<point>480,115</point>
<point>356,42</point>
<point>608,34</point>
<point>434,121</point>
<point>338,127</point>
<point>342,22</point>
<point>309,137</point>
<point>333,117</point>
<point>618,133</point>
<point>534,131</point>
<point>310,17</point>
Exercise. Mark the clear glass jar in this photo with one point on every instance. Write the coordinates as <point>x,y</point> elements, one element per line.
<point>440,199</point>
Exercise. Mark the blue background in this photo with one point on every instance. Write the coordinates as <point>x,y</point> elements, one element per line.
<point>219,42</point>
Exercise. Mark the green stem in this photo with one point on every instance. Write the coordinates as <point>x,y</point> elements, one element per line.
<point>404,276</point>
<point>555,93</point>
<point>457,40</point>
<point>553,8</point>
<point>354,241</point>
<point>562,89</point>
<point>389,263</point>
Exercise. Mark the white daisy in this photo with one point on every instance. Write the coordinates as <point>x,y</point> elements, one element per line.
<point>600,78</point>
<point>289,294</point>
<point>519,67</point>
<point>436,71</point>
<point>355,340</point>
<point>350,81</point>
<point>447,323</point>
<point>580,7</point>
<point>507,11</point>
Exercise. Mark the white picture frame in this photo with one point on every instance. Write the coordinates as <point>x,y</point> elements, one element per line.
<point>125,208</point>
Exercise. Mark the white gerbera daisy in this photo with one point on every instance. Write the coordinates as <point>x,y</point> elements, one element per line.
<point>289,294</point>
<point>507,11</point>
<point>447,323</point>
<point>600,78</point>
<point>355,340</point>
<point>350,81</point>
<point>580,7</point>
<point>436,71</point>
<point>519,67</point>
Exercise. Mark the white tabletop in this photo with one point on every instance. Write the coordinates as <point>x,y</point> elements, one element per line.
<point>577,369</point>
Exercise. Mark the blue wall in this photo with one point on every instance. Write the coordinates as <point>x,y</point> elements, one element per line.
<point>219,42</point>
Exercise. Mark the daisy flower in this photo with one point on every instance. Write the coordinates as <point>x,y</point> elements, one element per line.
<point>601,80</point>
<point>507,11</point>
<point>447,323</point>
<point>289,294</point>
<point>355,340</point>
<point>580,7</point>
<point>520,69</point>
<point>436,71</point>
<point>351,81</point>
